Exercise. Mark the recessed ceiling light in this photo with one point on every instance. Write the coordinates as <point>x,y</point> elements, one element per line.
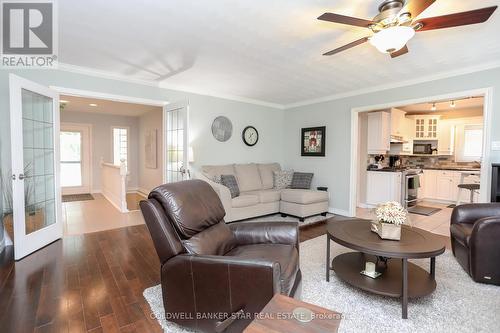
<point>93,105</point>
<point>63,101</point>
<point>433,108</point>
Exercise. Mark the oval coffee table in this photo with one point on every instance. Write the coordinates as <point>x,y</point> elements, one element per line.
<point>399,278</point>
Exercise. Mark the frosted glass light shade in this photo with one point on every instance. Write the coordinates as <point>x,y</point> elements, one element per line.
<point>392,39</point>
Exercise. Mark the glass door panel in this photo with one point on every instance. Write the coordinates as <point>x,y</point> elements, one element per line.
<point>36,198</point>
<point>176,143</point>
<point>71,158</point>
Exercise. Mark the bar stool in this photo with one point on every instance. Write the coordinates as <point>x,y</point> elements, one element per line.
<point>471,187</point>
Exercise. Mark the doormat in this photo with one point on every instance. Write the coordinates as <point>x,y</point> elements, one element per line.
<point>423,210</point>
<point>77,197</point>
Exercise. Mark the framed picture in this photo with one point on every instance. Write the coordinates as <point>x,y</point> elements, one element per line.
<point>150,149</point>
<point>313,141</point>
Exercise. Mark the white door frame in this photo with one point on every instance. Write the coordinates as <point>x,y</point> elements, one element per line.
<point>27,244</point>
<point>116,98</point>
<point>87,158</point>
<point>487,93</point>
<point>167,108</point>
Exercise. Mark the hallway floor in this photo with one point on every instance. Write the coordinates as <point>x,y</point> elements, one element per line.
<point>438,223</point>
<point>82,217</point>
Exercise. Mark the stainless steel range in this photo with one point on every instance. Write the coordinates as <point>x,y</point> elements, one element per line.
<point>410,187</point>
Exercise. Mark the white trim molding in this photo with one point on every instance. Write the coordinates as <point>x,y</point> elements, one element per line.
<point>487,92</point>
<point>340,212</point>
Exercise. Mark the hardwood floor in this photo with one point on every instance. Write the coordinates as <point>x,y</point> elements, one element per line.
<point>93,282</point>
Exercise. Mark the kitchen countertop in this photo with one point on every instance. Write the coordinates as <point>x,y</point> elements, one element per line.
<point>427,168</point>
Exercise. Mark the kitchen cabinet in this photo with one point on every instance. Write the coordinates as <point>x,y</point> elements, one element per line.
<point>379,132</point>
<point>398,125</point>
<point>442,185</point>
<point>446,138</point>
<point>382,187</point>
<point>426,127</point>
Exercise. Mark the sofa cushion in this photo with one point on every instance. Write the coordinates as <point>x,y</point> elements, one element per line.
<point>266,172</point>
<point>266,196</point>
<point>285,255</point>
<point>216,240</point>
<point>303,197</point>
<point>230,182</point>
<point>461,232</point>
<point>302,180</point>
<point>248,177</point>
<point>282,179</point>
<point>245,201</point>
<point>211,171</point>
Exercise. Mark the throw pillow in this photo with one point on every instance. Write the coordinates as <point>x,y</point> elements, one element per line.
<point>230,182</point>
<point>217,179</point>
<point>282,179</point>
<point>302,180</point>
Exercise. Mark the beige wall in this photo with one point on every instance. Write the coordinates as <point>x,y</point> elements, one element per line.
<point>150,178</point>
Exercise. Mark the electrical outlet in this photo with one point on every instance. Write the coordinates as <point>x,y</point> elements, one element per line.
<point>495,145</point>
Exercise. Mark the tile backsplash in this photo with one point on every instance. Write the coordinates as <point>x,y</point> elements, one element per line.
<point>429,162</point>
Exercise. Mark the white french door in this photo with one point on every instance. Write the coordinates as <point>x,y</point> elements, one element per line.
<point>36,197</point>
<point>75,158</point>
<point>176,138</point>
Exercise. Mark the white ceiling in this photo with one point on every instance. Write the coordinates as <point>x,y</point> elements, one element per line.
<point>263,50</point>
<point>82,104</point>
<point>463,104</point>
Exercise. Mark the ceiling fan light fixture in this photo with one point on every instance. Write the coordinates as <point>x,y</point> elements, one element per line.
<point>392,39</point>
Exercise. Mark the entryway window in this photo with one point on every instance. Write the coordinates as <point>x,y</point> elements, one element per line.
<point>71,159</point>
<point>120,145</point>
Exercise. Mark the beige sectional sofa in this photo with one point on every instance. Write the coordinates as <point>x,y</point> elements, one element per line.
<point>258,196</point>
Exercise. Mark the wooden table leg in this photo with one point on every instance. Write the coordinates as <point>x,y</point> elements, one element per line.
<point>433,267</point>
<point>404,294</point>
<point>327,258</point>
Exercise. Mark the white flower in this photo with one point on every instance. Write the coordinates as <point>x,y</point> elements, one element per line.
<point>391,212</point>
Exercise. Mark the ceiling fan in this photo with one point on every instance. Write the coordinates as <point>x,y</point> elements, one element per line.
<point>396,24</point>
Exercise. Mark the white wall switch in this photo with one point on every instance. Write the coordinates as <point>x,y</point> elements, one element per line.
<point>495,145</point>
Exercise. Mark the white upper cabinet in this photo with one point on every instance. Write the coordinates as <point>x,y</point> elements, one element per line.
<point>446,138</point>
<point>426,127</point>
<point>379,132</point>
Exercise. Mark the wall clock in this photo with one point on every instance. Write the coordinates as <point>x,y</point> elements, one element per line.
<point>222,129</point>
<point>250,136</point>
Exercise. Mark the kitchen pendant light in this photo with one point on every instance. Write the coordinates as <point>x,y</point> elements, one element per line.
<point>433,108</point>
<point>452,104</point>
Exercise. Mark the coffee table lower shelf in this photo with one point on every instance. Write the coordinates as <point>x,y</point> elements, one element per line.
<point>348,266</point>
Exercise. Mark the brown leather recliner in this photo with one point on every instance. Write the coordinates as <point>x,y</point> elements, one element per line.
<point>475,240</point>
<point>216,276</point>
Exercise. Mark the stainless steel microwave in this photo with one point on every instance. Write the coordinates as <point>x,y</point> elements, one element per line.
<point>422,148</point>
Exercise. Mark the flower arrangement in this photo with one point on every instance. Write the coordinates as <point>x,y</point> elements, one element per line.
<point>391,212</point>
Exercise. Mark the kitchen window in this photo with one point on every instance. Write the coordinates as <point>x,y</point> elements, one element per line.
<point>120,145</point>
<point>470,143</point>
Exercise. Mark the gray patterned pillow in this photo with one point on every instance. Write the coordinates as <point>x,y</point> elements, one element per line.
<point>302,180</point>
<point>282,179</point>
<point>230,182</point>
<point>217,179</point>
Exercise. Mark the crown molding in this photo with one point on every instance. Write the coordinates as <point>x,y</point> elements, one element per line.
<point>423,79</point>
<point>112,76</point>
<point>223,96</point>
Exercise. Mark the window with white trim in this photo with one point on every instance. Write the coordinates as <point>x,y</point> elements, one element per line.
<point>471,144</point>
<point>120,145</point>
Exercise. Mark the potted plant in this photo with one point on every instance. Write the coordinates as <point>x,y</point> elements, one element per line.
<point>390,216</point>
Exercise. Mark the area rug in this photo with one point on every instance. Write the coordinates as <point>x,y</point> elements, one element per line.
<point>457,305</point>
<point>77,197</point>
<point>423,210</point>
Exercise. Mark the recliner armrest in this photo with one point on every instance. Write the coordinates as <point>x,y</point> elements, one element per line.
<point>266,233</point>
<point>470,213</point>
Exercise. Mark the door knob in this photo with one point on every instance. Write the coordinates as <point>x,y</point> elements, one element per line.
<point>21,176</point>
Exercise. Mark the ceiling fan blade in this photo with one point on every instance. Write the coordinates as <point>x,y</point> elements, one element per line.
<point>457,19</point>
<point>404,50</point>
<point>336,18</point>
<point>347,46</point>
<point>416,7</point>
